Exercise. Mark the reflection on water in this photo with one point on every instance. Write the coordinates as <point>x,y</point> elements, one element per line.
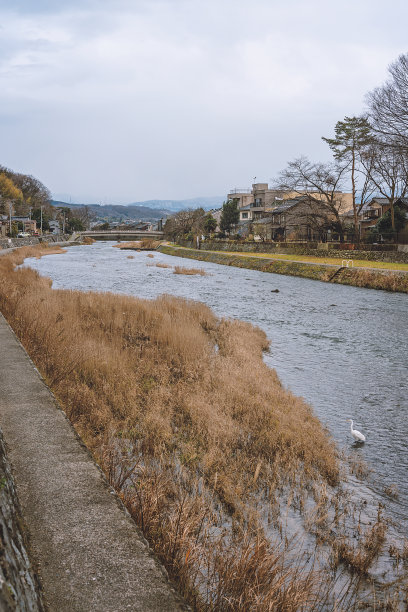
<point>343,349</point>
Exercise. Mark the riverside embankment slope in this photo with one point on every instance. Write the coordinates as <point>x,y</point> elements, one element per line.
<point>83,544</point>
<point>387,279</point>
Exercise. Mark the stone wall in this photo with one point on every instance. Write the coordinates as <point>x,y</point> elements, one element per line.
<point>7,243</point>
<point>19,588</point>
<point>375,253</point>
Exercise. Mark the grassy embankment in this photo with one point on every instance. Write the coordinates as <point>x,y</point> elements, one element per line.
<point>387,279</point>
<point>207,450</point>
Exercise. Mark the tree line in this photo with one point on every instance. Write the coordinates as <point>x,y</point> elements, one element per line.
<point>23,195</point>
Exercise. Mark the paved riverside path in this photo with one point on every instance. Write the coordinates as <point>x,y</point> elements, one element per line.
<point>88,552</point>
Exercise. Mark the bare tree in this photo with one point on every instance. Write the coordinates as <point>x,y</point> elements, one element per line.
<point>387,165</point>
<point>85,214</point>
<point>388,104</point>
<point>185,222</point>
<point>322,184</point>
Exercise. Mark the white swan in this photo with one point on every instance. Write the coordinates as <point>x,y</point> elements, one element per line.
<point>357,435</point>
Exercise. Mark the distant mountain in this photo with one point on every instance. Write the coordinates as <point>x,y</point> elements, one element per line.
<point>150,210</point>
<point>207,203</point>
<point>116,212</point>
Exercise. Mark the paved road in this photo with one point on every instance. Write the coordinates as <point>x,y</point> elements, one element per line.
<point>89,553</point>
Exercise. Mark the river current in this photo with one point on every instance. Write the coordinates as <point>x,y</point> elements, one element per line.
<point>344,349</point>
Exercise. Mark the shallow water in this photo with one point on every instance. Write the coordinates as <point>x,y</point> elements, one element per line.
<point>344,349</point>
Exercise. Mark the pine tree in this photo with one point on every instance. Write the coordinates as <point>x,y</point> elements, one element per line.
<point>352,137</point>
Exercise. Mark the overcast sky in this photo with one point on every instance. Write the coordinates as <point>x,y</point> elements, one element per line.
<point>129,100</point>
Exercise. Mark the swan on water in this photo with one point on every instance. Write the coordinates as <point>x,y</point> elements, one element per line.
<point>357,435</point>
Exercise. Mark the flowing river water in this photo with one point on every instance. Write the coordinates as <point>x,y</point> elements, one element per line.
<point>344,349</point>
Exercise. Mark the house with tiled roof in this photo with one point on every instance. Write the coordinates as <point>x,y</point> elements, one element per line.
<point>375,209</point>
<point>299,218</point>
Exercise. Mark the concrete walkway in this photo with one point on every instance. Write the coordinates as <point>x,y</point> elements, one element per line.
<point>88,552</point>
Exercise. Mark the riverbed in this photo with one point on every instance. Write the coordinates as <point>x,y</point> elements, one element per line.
<point>344,349</point>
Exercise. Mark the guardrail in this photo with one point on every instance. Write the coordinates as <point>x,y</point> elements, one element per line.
<point>120,231</point>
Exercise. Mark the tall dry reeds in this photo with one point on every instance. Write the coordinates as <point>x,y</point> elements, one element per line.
<point>87,240</point>
<point>195,432</point>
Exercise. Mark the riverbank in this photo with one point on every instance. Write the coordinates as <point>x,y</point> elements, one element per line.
<point>358,277</point>
<point>85,548</point>
<point>217,463</point>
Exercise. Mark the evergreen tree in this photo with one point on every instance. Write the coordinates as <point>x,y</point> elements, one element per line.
<point>352,137</point>
<point>229,215</point>
<point>385,227</point>
<point>210,224</point>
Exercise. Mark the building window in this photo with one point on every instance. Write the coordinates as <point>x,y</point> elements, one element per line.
<point>245,215</point>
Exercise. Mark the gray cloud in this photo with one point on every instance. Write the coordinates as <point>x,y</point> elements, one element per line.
<point>170,99</point>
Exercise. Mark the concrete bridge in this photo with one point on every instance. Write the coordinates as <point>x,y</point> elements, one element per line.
<point>121,234</point>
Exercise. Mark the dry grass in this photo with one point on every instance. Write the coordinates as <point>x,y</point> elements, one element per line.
<point>163,265</point>
<point>146,244</point>
<point>87,240</point>
<point>150,255</point>
<point>149,244</point>
<point>130,257</point>
<point>181,270</point>
<point>134,244</point>
<point>194,431</point>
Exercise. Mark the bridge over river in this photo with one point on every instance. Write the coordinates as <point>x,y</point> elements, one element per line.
<point>121,234</point>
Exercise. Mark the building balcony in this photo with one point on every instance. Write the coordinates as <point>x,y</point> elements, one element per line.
<point>237,191</point>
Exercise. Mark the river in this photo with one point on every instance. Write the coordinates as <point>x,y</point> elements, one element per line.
<point>344,349</point>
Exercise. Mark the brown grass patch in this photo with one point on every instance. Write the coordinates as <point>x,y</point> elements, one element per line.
<point>130,257</point>
<point>163,265</point>
<point>134,244</point>
<point>146,244</point>
<point>150,255</point>
<point>87,240</point>
<point>195,432</point>
<point>181,270</point>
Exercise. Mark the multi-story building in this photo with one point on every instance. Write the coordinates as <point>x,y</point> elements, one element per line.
<point>253,203</point>
<point>256,203</point>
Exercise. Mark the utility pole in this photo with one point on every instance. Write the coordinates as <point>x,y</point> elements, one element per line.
<point>41,218</point>
<point>10,211</point>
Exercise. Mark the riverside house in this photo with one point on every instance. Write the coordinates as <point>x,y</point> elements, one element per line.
<point>285,215</point>
<point>375,209</point>
<point>257,203</point>
<point>299,218</point>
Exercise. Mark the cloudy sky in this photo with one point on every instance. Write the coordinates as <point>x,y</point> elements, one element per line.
<point>129,100</point>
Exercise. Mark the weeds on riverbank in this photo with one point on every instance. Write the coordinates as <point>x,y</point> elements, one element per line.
<point>194,431</point>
